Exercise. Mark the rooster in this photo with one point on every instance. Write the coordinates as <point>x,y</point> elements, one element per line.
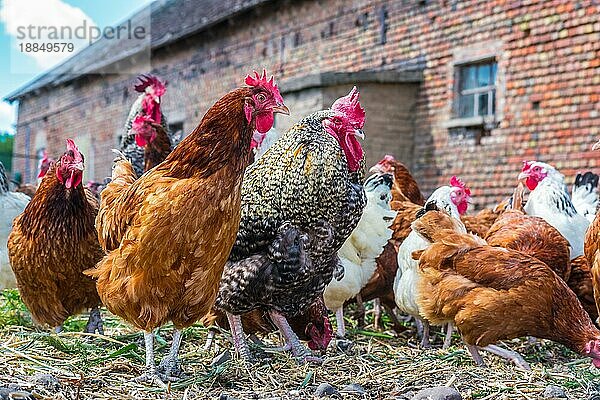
<point>453,199</point>
<point>168,234</point>
<point>300,202</point>
<point>11,205</point>
<point>364,245</point>
<point>146,141</point>
<point>53,241</point>
<point>493,294</point>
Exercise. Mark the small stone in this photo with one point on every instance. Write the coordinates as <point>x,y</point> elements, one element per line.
<point>46,380</point>
<point>325,389</point>
<point>221,359</point>
<point>354,388</point>
<point>295,393</point>
<point>438,393</point>
<point>10,394</point>
<point>225,396</point>
<point>344,345</point>
<point>554,392</point>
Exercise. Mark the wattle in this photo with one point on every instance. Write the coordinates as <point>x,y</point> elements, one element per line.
<point>596,362</point>
<point>531,183</point>
<point>462,208</point>
<point>354,152</point>
<point>264,122</point>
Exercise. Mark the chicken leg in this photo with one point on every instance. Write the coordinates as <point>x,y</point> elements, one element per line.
<point>298,350</point>
<point>170,366</point>
<point>425,337</point>
<point>341,325</point>
<point>237,333</point>
<point>150,375</point>
<point>513,356</point>
<point>95,322</point>
<point>376,313</point>
<point>448,338</point>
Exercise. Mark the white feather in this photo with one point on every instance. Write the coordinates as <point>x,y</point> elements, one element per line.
<point>359,252</point>
<point>11,205</point>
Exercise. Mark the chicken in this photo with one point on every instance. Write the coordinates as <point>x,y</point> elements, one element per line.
<point>43,166</point>
<point>168,234</point>
<point>592,256</point>
<point>581,282</point>
<point>454,199</point>
<point>550,200</point>
<point>493,293</point>
<point>584,194</point>
<point>531,235</point>
<point>146,142</point>
<point>11,205</point>
<point>365,244</point>
<point>300,202</point>
<point>53,241</point>
<point>407,200</point>
<point>311,325</point>
<point>405,186</point>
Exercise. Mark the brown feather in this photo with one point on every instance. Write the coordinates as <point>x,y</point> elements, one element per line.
<point>171,231</point>
<point>51,243</point>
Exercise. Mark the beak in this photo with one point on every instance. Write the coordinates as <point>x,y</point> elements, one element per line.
<point>359,133</point>
<point>157,99</point>
<point>79,166</point>
<point>522,176</point>
<point>596,146</point>
<point>281,109</point>
<point>376,168</point>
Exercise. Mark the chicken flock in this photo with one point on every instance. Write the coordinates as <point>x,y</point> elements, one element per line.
<point>239,227</point>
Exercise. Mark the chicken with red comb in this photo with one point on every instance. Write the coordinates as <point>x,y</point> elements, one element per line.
<point>300,202</point>
<point>168,234</point>
<point>54,241</point>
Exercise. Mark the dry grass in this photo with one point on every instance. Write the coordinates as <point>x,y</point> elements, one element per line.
<point>92,366</point>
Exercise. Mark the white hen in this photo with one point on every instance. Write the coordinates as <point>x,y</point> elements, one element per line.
<point>11,205</point>
<point>362,247</point>
<point>550,200</point>
<point>454,200</point>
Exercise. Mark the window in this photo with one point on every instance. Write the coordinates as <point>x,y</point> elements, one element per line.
<point>476,89</point>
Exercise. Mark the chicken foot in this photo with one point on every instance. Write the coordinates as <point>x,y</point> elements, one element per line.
<point>170,366</point>
<point>95,322</point>
<point>298,350</point>
<point>360,311</point>
<point>510,355</point>
<point>237,334</point>
<point>150,375</point>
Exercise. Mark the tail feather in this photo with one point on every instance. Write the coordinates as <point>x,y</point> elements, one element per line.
<point>585,194</point>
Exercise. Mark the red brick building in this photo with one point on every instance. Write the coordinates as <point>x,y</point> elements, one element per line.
<point>470,88</point>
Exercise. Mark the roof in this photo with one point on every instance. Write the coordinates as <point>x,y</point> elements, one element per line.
<point>170,21</point>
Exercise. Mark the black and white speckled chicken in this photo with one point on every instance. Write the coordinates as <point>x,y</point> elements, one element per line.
<point>300,201</point>
<point>146,113</point>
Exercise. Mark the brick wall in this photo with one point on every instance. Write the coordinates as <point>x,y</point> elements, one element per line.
<point>548,55</point>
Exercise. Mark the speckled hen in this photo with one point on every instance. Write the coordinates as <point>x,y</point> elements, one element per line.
<point>300,201</point>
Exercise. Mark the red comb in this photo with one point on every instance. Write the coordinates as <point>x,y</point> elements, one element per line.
<point>457,182</point>
<point>349,105</point>
<point>527,165</point>
<point>149,80</point>
<point>268,84</point>
<point>388,158</point>
<point>73,147</point>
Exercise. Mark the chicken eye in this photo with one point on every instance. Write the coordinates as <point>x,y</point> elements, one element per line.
<point>261,97</point>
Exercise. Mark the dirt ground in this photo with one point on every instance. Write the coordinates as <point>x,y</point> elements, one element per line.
<point>73,365</point>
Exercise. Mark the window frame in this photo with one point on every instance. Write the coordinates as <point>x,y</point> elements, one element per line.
<point>490,90</point>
